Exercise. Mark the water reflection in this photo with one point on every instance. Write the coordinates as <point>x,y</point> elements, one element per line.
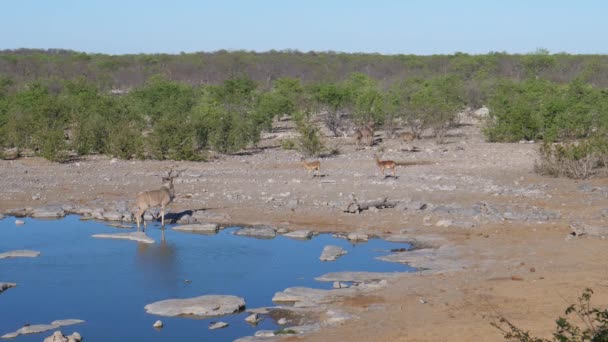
<point>158,263</point>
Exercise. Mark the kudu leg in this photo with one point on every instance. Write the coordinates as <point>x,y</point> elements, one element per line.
<point>162,216</point>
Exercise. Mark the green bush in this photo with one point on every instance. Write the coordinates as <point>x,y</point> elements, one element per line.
<point>309,142</point>
<point>594,321</point>
<point>288,144</point>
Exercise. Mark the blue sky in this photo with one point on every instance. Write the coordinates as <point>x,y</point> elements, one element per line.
<point>382,26</point>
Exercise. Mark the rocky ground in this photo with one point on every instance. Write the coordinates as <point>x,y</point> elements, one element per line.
<point>503,232</point>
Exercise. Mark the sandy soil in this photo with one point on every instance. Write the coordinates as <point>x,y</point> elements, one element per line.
<point>525,270</point>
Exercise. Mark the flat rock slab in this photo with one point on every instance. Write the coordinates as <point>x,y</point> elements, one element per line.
<point>38,328</point>
<point>19,254</point>
<point>203,306</point>
<point>358,277</point>
<point>331,253</point>
<point>201,228</point>
<point>422,240</point>
<point>259,232</point>
<point>48,212</point>
<point>135,236</point>
<point>6,286</point>
<point>309,297</point>
<point>299,234</point>
<point>439,260</point>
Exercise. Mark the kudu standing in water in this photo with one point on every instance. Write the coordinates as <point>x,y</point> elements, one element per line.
<point>156,198</point>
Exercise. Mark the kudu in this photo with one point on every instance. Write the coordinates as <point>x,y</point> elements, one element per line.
<point>156,198</point>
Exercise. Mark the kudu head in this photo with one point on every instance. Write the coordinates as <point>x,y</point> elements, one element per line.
<point>168,180</point>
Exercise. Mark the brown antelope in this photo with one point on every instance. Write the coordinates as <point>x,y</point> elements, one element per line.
<point>311,166</point>
<point>407,136</point>
<point>365,134</point>
<point>386,164</point>
<point>156,198</point>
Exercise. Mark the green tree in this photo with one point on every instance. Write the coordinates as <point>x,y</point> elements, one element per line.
<point>439,101</point>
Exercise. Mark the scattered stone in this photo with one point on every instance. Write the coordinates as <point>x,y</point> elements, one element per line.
<point>258,232</point>
<point>202,306</point>
<point>282,321</point>
<point>254,318</point>
<point>38,328</point>
<point>331,253</point>
<point>203,228</point>
<point>19,254</point>
<point>60,337</point>
<point>19,222</point>
<point>299,234</point>
<point>158,324</point>
<point>443,223</point>
<point>217,325</point>
<point>135,236</point>
<point>586,229</point>
<point>517,278</point>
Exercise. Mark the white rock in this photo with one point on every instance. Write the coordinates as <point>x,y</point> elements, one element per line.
<point>203,306</point>
<point>331,253</point>
<point>19,222</point>
<point>204,228</point>
<point>19,254</point>
<point>158,324</point>
<point>443,223</point>
<point>135,236</point>
<point>217,325</point>
<point>253,318</point>
<point>357,236</point>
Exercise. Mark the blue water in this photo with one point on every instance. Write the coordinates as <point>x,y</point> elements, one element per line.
<point>107,282</point>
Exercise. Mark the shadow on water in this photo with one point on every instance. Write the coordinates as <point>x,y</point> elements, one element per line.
<point>108,282</point>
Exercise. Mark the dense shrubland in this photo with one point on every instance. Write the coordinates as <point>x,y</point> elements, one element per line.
<point>61,103</point>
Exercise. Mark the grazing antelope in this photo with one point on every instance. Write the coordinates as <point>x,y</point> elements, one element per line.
<point>311,166</point>
<point>156,198</point>
<point>386,164</point>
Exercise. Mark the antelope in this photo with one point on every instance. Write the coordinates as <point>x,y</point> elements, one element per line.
<point>407,136</point>
<point>385,164</point>
<point>365,134</point>
<point>156,198</point>
<point>311,166</point>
